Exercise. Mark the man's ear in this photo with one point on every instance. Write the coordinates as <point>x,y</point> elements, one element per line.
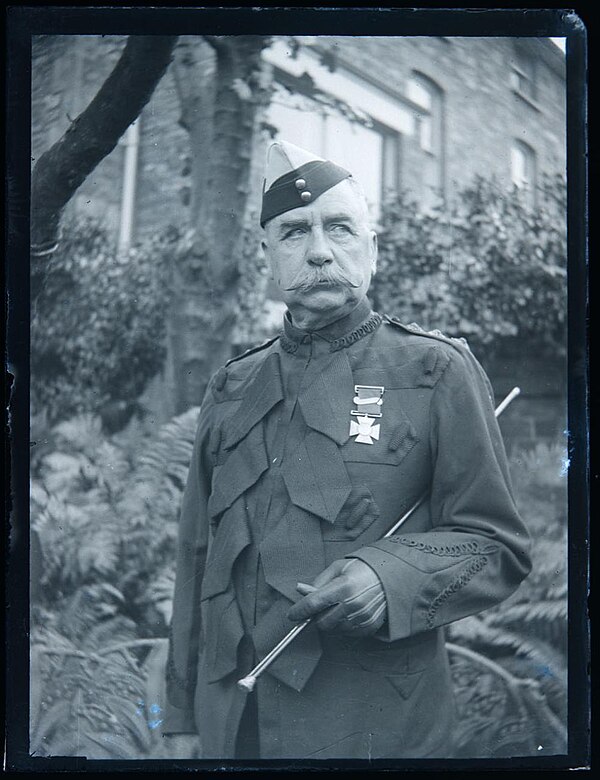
<point>374,252</point>
<point>265,249</point>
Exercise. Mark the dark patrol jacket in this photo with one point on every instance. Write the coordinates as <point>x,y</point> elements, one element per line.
<point>278,489</point>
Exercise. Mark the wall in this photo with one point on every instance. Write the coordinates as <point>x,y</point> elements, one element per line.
<point>482,110</point>
<point>483,113</point>
<point>67,72</point>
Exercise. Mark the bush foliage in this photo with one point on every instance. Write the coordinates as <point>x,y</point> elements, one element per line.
<point>484,266</point>
<point>98,323</point>
<point>104,523</point>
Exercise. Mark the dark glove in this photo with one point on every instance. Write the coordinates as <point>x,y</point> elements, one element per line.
<point>350,593</point>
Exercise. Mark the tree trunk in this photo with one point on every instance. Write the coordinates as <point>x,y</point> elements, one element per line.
<point>93,134</point>
<point>194,68</point>
<point>228,86</point>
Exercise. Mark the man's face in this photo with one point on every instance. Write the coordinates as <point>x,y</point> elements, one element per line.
<point>322,255</point>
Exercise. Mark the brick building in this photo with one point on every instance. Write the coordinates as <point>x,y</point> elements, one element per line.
<point>432,113</point>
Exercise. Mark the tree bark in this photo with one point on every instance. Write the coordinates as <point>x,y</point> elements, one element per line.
<point>194,74</point>
<point>93,134</point>
<point>220,114</point>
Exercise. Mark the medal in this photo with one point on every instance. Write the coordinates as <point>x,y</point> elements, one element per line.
<point>368,399</point>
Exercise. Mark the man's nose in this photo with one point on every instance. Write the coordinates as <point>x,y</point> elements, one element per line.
<point>319,251</point>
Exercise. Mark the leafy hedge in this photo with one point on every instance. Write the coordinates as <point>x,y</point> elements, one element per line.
<point>98,330</point>
<point>97,325</point>
<point>484,266</point>
<point>104,524</point>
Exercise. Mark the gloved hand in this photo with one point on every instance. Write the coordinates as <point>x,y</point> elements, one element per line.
<point>350,593</point>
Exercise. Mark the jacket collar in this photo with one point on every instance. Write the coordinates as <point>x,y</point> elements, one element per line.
<point>337,335</point>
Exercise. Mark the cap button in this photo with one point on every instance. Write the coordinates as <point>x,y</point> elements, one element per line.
<point>305,196</point>
<point>300,184</point>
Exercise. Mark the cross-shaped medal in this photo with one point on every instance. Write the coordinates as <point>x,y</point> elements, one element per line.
<point>364,430</point>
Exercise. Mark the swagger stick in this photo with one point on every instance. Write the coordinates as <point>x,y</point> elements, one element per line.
<point>247,683</point>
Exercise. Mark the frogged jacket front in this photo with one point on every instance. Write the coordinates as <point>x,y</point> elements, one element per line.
<point>278,489</point>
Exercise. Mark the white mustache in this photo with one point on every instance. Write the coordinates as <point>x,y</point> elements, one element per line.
<point>306,279</point>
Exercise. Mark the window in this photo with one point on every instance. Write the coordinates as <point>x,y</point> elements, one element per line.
<point>338,115</point>
<point>422,96</point>
<point>369,152</point>
<point>428,101</point>
<point>523,168</point>
<point>523,75</point>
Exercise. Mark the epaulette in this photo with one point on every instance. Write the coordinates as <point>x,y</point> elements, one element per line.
<point>417,330</point>
<point>219,380</point>
<point>252,350</point>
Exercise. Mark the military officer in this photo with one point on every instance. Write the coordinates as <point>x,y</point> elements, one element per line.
<point>308,449</point>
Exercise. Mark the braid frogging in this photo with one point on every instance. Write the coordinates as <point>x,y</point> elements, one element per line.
<point>461,581</point>
<point>450,550</point>
<point>363,330</point>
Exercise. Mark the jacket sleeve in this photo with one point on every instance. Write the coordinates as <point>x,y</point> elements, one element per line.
<point>192,546</point>
<point>477,551</point>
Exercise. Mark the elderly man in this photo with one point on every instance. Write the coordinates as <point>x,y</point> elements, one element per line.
<point>309,448</point>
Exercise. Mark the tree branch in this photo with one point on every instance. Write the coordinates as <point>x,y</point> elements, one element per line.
<point>94,134</point>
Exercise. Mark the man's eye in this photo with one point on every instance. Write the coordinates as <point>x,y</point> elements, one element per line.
<point>340,228</point>
<point>294,233</point>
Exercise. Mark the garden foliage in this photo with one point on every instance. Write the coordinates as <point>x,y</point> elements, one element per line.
<point>104,524</point>
<point>99,325</point>
<point>483,265</point>
<point>97,328</point>
<point>525,636</point>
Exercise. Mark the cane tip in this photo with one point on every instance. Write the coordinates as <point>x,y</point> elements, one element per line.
<point>247,684</point>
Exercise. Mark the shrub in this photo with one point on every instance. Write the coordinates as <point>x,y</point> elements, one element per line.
<point>484,266</point>
<point>98,323</point>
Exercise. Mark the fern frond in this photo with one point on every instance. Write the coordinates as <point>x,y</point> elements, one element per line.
<point>111,466</point>
<point>87,607</point>
<point>470,630</point>
<point>540,611</point>
<point>116,629</point>
<point>106,745</point>
<point>501,714</point>
<point>496,642</point>
<point>171,451</point>
<point>38,496</point>
<point>80,433</point>
<point>130,721</point>
<point>92,694</point>
<point>49,722</point>
<point>100,554</point>
<point>558,590</point>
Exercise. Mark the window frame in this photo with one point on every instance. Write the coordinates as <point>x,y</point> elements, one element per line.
<point>391,139</point>
<point>523,76</point>
<point>528,185</point>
